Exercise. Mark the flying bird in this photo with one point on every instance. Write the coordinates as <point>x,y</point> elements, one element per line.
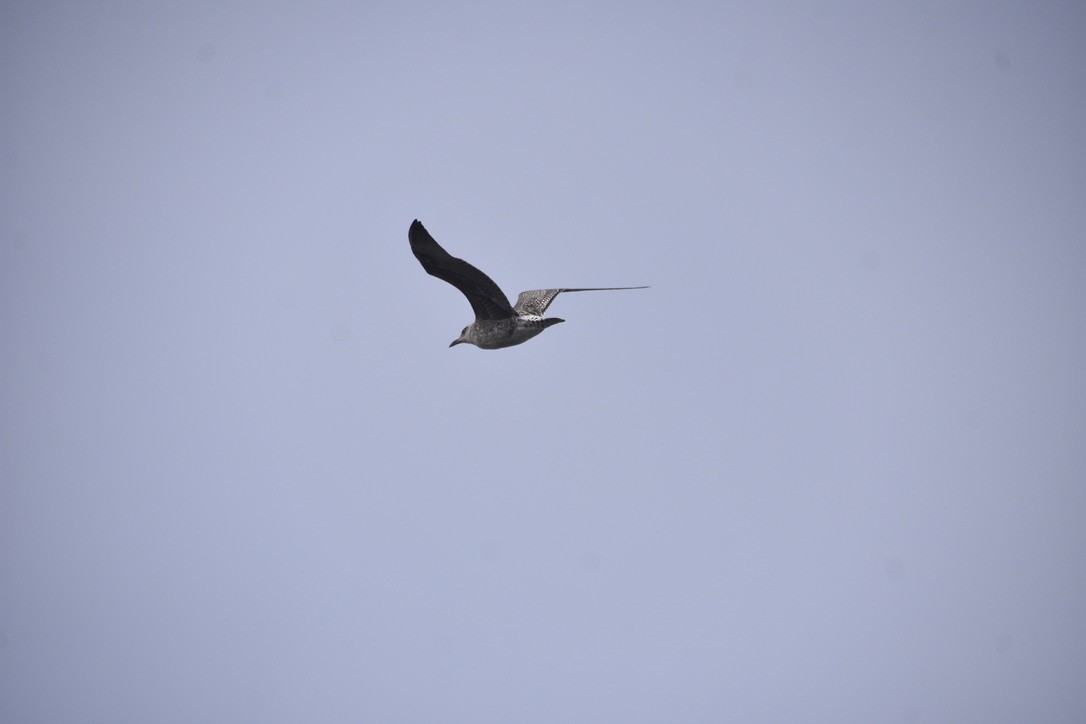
<point>497,322</point>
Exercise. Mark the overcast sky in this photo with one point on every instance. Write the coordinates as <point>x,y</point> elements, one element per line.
<point>831,467</point>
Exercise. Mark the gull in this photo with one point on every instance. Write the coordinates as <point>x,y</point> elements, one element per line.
<point>497,322</point>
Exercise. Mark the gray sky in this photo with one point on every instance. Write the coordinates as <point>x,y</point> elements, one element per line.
<point>830,468</point>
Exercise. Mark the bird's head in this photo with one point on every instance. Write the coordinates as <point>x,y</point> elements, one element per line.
<point>462,338</point>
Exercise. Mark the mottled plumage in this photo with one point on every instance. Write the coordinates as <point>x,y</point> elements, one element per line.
<point>497,323</point>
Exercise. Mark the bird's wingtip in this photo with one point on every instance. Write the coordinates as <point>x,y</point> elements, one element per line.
<point>417,232</point>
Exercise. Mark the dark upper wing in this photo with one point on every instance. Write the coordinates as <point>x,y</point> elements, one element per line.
<point>487,299</point>
<point>536,301</point>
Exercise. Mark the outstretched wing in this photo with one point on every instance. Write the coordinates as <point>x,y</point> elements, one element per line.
<point>487,299</point>
<point>536,301</point>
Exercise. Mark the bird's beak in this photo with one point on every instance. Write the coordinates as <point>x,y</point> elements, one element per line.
<point>455,342</point>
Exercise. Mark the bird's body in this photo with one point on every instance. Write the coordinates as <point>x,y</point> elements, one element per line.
<point>497,323</point>
<point>498,333</point>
